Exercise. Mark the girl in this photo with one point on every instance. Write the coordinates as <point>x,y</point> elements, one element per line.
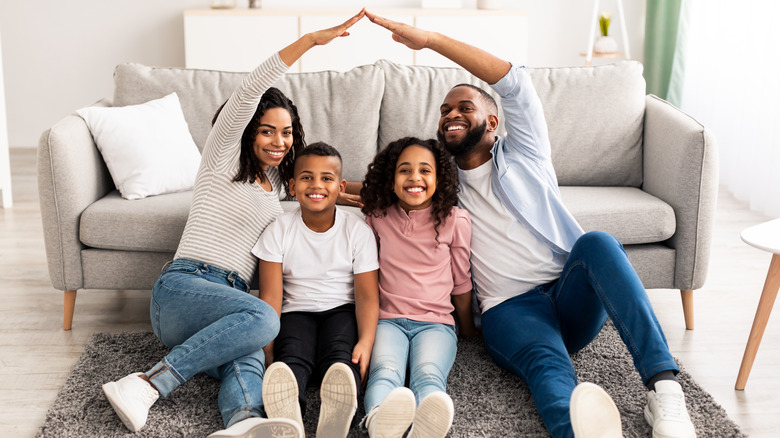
<point>410,194</point>
<point>200,305</point>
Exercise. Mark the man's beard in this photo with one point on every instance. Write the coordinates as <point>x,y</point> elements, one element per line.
<point>467,144</point>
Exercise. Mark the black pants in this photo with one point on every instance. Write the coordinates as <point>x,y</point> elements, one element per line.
<point>310,342</point>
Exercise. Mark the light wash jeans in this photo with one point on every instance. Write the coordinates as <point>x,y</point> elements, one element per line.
<point>213,325</point>
<point>427,348</point>
<point>533,333</point>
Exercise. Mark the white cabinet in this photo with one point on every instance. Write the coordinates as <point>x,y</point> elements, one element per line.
<point>239,39</point>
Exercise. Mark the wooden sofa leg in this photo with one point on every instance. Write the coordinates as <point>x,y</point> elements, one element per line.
<point>687,302</point>
<point>70,304</point>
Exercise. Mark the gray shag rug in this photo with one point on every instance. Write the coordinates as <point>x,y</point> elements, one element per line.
<point>489,401</point>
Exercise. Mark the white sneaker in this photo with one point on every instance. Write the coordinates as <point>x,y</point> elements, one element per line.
<point>393,416</point>
<point>280,393</point>
<point>338,393</point>
<point>256,427</point>
<point>593,413</point>
<point>666,411</point>
<point>433,417</point>
<point>131,397</point>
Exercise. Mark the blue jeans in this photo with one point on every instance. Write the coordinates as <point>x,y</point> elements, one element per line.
<point>213,325</point>
<point>427,348</point>
<point>533,333</point>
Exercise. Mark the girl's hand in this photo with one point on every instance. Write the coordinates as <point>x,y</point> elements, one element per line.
<point>324,36</point>
<point>405,34</point>
<point>361,355</point>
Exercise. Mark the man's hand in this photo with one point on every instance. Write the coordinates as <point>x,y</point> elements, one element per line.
<point>409,36</point>
<point>350,199</point>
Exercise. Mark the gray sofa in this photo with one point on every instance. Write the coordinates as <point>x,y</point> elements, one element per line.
<point>628,163</point>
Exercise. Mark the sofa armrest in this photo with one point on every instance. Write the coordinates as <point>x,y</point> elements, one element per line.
<point>71,176</point>
<point>681,168</point>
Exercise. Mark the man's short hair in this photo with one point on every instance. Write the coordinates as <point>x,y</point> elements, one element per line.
<point>486,97</point>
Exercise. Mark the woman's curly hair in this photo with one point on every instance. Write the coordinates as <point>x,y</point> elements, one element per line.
<point>249,165</point>
<point>377,192</point>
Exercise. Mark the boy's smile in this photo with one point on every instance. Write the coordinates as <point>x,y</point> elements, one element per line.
<point>317,184</point>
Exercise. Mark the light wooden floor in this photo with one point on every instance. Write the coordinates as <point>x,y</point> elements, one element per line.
<point>36,355</point>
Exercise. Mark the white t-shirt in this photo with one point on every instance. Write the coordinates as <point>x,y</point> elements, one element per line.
<point>506,259</point>
<point>318,268</point>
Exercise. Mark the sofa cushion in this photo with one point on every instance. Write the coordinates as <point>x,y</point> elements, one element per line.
<point>147,147</point>
<point>151,224</point>
<point>628,213</point>
<point>594,115</point>
<point>340,108</point>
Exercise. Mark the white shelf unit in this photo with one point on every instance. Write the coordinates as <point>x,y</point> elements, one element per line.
<point>239,39</point>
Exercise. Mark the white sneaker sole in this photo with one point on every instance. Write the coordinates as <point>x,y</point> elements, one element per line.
<point>338,393</point>
<point>593,413</point>
<point>433,418</point>
<point>280,393</point>
<point>114,396</point>
<point>261,428</point>
<point>395,414</point>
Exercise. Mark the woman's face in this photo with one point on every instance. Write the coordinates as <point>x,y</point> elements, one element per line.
<point>415,178</point>
<point>274,137</point>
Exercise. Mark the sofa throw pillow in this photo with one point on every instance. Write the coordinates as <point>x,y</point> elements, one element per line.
<point>148,148</point>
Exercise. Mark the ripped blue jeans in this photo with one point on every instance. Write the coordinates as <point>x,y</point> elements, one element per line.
<point>211,323</point>
<point>427,349</point>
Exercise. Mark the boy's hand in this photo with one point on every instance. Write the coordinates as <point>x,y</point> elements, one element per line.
<point>405,34</point>
<point>361,355</point>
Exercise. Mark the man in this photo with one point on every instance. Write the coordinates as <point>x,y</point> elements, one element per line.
<point>545,288</point>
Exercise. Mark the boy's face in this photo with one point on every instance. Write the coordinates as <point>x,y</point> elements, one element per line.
<point>317,182</point>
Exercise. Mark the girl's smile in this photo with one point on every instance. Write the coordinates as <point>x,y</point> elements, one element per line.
<point>415,178</point>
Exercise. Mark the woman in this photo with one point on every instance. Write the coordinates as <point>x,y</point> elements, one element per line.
<point>200,305</point>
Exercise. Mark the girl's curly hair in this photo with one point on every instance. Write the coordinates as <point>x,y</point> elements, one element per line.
<point>249,165</point>
<point>377,192</point>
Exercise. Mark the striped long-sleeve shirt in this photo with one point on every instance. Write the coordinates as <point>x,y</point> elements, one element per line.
<point>226,217</point>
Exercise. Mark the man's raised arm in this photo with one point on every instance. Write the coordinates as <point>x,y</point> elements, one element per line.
<point>478,62</point>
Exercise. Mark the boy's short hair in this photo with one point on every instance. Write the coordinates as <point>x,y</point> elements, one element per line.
<point>320,149</point>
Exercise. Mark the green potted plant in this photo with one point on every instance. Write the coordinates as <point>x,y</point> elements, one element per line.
<point>605,43</point>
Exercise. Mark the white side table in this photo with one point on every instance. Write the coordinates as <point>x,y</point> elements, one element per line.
<point>764,236</point>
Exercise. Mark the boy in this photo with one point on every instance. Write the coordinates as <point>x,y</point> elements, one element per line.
<point>318,269</point>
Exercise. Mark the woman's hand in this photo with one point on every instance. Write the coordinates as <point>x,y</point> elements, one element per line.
<point>294,51</point>
<point>405,34</point>
<point>324,36</point>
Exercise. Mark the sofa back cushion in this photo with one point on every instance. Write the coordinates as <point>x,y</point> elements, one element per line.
<point>339,108</point>
<point>594,115</point>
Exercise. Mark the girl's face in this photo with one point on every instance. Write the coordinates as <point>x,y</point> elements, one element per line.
<point>274,137</point>
<point>415,178</point>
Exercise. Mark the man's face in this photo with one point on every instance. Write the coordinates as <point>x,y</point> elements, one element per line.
<point>463,121</point>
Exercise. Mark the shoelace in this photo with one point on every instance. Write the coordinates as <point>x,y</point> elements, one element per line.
<point>671,405</point>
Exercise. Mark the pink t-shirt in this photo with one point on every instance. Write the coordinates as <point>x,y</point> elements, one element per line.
<point>417,275</point>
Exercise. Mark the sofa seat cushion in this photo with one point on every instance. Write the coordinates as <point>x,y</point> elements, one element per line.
<point>629,214</point>
<point>152,224</point>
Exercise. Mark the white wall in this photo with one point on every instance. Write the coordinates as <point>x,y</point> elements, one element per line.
<point>60,55</point>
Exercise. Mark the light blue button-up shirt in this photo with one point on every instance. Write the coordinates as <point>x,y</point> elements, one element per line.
<point>523,175</point>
